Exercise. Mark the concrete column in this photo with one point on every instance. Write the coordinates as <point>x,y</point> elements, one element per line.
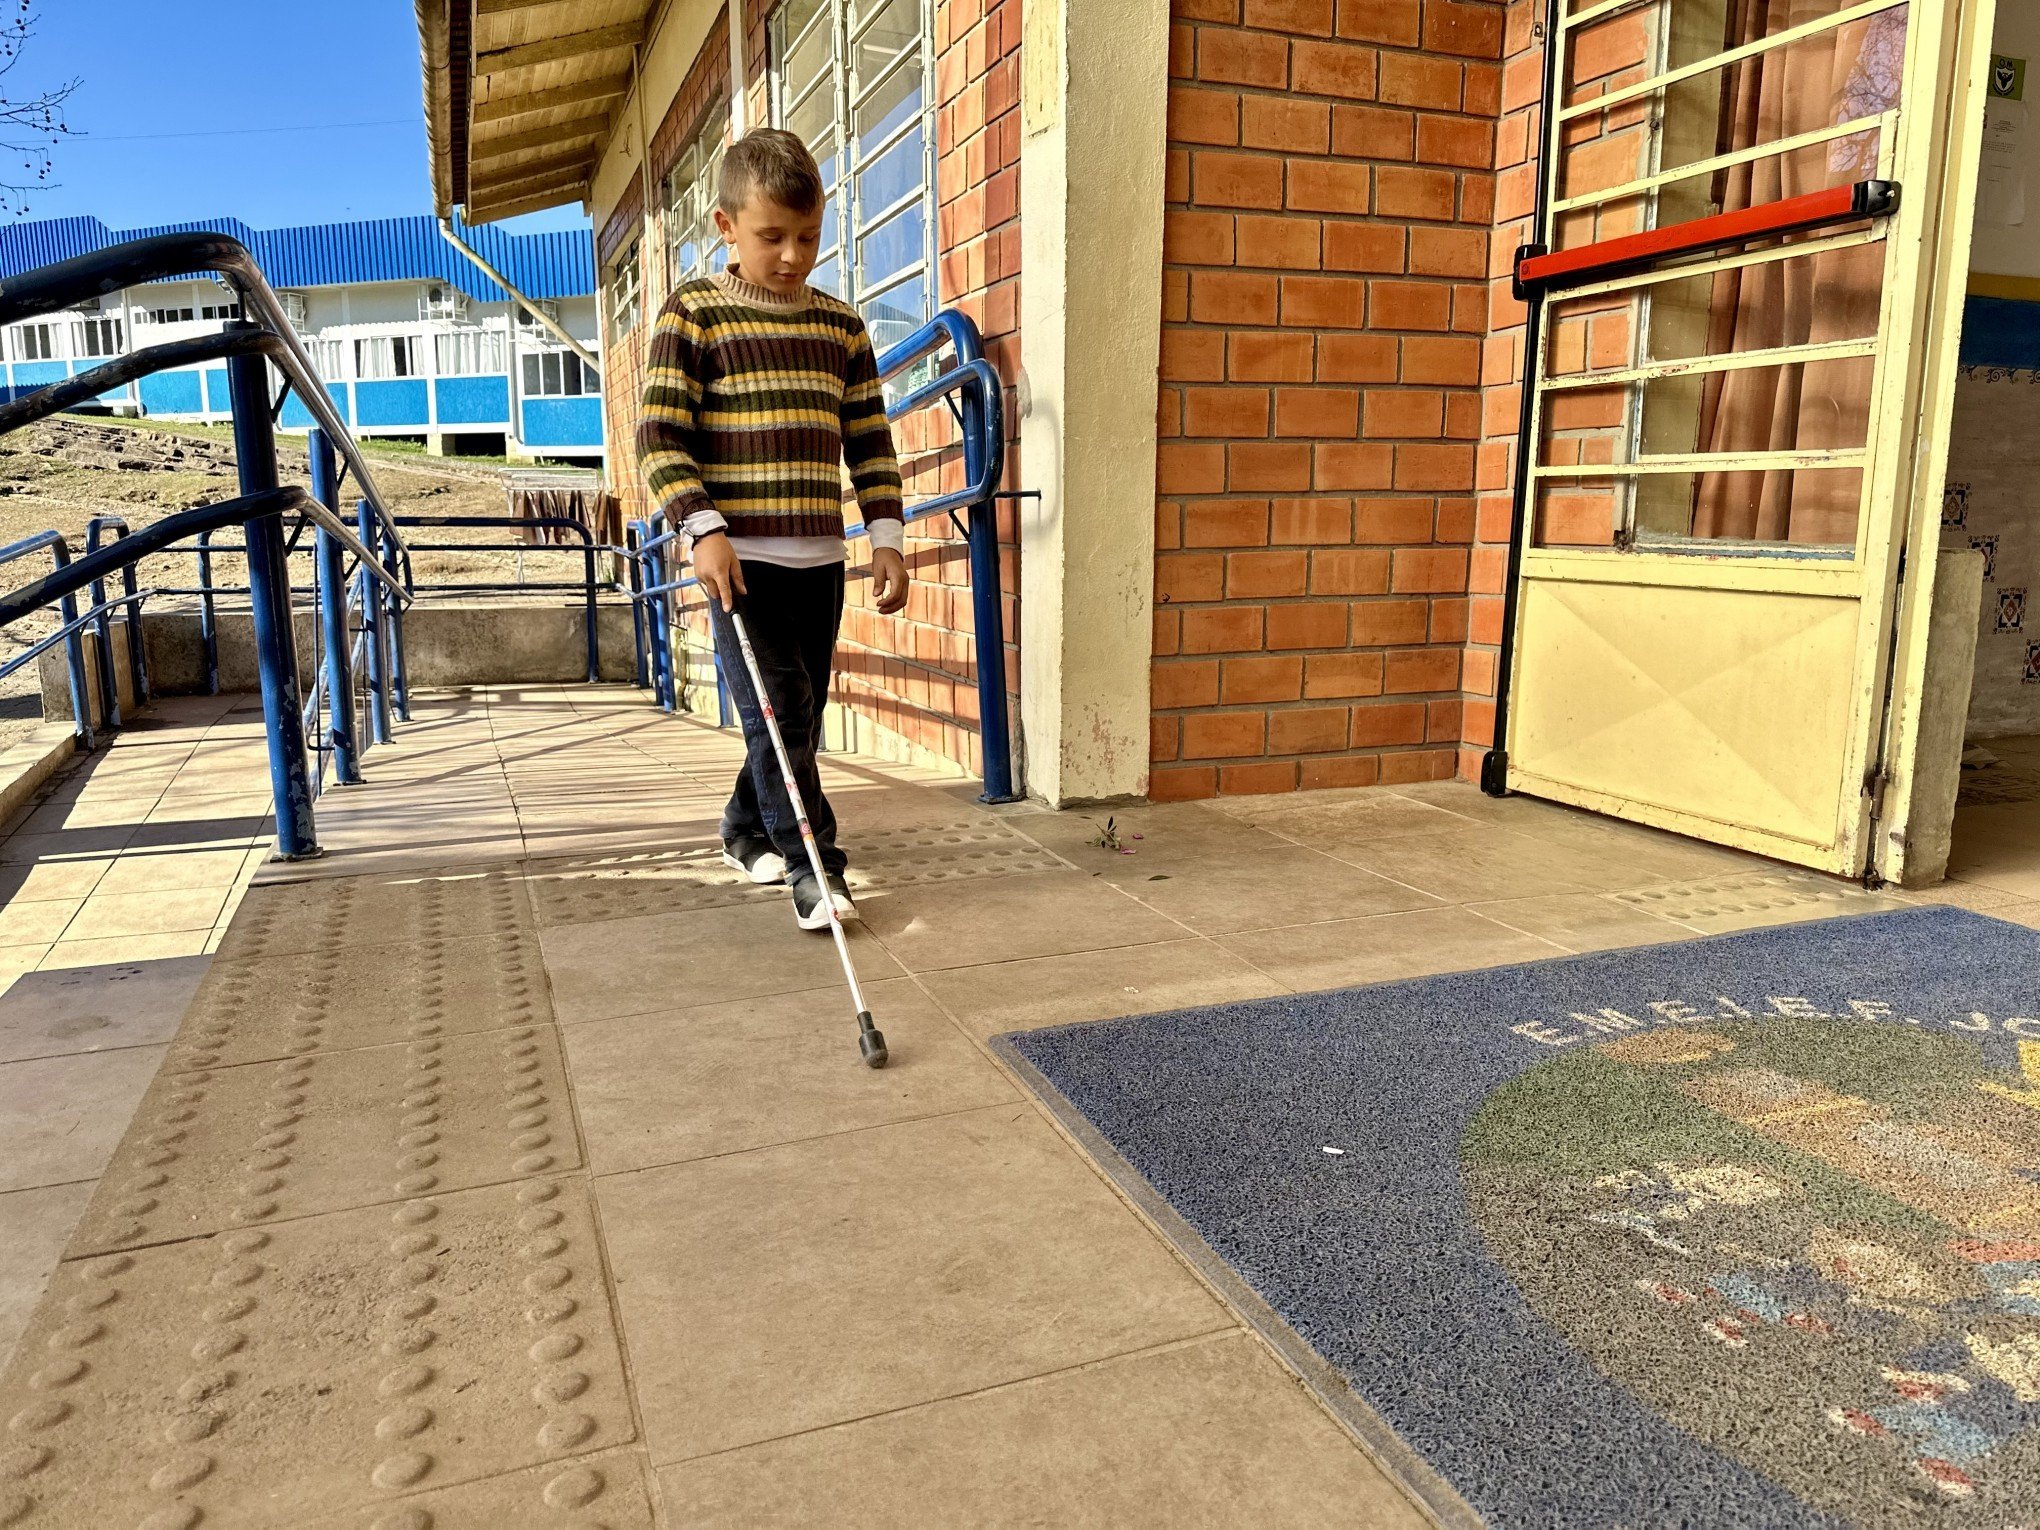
<point>1094,103</point>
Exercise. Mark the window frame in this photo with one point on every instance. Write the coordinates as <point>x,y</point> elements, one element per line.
<point>851,90</point>
<point>625,289</point>
<point>705,152</point>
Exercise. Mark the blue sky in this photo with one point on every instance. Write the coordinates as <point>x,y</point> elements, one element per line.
<point>156,72</point>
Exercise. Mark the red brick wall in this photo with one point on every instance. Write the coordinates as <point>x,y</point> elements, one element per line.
<point>623,356</point>
<point>1330,198</point>
<point>1517,157</point>
<point>916,673</point>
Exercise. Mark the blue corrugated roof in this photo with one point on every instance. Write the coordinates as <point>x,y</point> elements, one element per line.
<point>328,254</point>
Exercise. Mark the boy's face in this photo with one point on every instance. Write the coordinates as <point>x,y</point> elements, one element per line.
<point>775,246</point>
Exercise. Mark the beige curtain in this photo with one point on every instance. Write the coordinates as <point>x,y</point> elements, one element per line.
<point>1843,74</point>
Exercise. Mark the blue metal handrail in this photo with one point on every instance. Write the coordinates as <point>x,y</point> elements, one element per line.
<point>373,541</point>
<point>67,607</point>
<point>976,395</point>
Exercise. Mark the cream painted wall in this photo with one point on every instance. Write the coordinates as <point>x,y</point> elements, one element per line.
<point>1092,152</point>
<point>682,27</point>
<point>2014,250</point>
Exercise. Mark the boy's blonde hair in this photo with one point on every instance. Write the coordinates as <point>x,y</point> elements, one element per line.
<point>771,163</point>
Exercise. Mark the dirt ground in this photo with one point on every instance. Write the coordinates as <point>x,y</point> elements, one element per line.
<point>62,472</point>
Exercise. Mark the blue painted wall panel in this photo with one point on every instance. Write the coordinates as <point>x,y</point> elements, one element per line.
<point>33,374</point>
<point>474,400</point>
<point>172,393</point>
<point>217,396</point>
<point>392,401</point>
<point>2000,332</point>
<point>563,421</point>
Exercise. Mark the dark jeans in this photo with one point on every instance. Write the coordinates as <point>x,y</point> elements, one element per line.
<point>792,616</point>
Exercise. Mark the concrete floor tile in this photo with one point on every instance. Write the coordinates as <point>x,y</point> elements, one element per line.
<point>112,949</point>
<point>15,961</point>
<point>242,1146</point>
<point>96,1009</point>
<point>1001,919</point>
<point>34,1227</point>
<point>1365,815</point>
<point>36,923</point>
<point>623,884</point>
<point>1385,948</point>
<point>281,918</point>
<point>1753,900</point>
<point>1477,864</point>
<point>1210,1433</point>
<point>264,1009</point>
<point>169,912</point>
<point>333,1362</point>
<point>1583,921</point>
<point>65,846</point>
<point>690,1083</point>
<point>69,878</point>
<point>154,871</point>
<point>60,1117</point>
<point>713,955</point>
<point>1096,985</point>
<point>1284,885</point>
<point>795,1287</point>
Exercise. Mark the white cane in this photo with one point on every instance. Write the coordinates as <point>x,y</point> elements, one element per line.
<point>870,1040</point>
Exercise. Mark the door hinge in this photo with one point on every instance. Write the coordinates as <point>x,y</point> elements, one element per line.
<point>1874,782</point>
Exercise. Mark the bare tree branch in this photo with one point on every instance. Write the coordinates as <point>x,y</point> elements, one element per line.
<point>30,125</point>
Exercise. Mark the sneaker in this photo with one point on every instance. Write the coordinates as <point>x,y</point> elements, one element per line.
<point>809,912</point>
<point>755,858</point>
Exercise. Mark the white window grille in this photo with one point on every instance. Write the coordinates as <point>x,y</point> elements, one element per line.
<point>470,352</point>
<point>96,337</point>
<point>441,303</point>
<point>558,374</point>
<point>625,283</point>
<point>33,342</point>
<point>330,357</point>
<point>387,356</point>
<point>295,308</point>
<point>855,80</point>
<point>547,306</point>
<point>691,237</point>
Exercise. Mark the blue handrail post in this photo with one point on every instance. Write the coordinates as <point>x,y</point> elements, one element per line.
<point>594,637</point>
<point>102,625</point>
<point>333,614</point>
<point>375,629</point>
<point>400,679</point>
<point>269,595</point>
<point>74,656</point>
<point>982,408</point>
<point>634,576</point>
<point>208,615</point>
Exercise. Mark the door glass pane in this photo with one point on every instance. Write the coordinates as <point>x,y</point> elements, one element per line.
<point>895,244</point>
<point>1833,77</point>
<point>896,314</point>
<point>1758,509</point>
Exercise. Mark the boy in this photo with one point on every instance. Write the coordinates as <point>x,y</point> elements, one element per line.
<point>757,391</point>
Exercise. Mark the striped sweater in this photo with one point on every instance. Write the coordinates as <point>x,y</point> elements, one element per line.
<point>754,403</point>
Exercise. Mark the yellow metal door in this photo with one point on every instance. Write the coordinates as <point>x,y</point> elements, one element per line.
<point>1729,435</point>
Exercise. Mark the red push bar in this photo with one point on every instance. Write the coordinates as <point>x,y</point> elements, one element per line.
<point>1538,270</point>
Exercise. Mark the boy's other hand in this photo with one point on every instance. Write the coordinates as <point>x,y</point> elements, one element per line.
<point>716,566</point>
<point>889,579</point>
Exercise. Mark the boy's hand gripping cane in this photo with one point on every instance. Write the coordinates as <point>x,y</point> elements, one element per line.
<point>870,1040</point>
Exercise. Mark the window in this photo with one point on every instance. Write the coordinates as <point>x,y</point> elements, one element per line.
<point>855,82</point>
<point>220,311</point>
<point>387,356</point>
<point>330,357</point>
<point>558,374</point>
<point>547,306</point>
<point>34,342</point>
<point>691,237</point>
<point>624,282</point>
<point>97,337</point>
<point>171,315</point>
<point>469,352</point>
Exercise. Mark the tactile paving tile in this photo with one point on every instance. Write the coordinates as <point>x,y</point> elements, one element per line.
<point>1749,893</point>
<point>294,918</point>
<point>607,1491</point>
<point>237,1147</point>
<point>261,1375</point>
<point>257,1009</point>
<point>947,852</point>
<point>587,889</point>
